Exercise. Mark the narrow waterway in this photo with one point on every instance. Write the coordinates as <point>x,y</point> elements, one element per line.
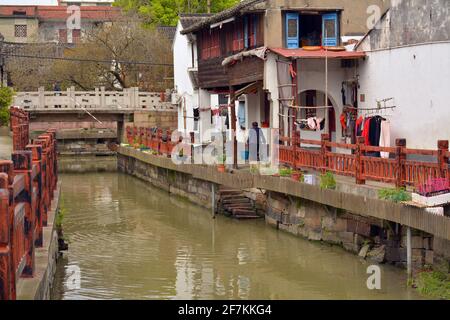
<point>133,241</point>
<point>128,240</point>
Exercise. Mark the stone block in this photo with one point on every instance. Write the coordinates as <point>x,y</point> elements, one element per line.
<point>429,257</point>
<point>417,256</point>
<point>331,237</point>
<point>377,255</point>
<point>394,254</point>
<point>358,227</point>
<point>359,240</point>
<point>364,250</point>
<point>303,231</point>
<point>301,212</point>
<point>350,246</point>
<point>346,237</point>
<point>416,242</point>
<point>328,223</point>
<point>314,235</point>
<point>428,243</point>
<point>313,221</point>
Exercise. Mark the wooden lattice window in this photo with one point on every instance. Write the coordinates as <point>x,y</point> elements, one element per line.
<point>238,36</point>
<point>20,30</point>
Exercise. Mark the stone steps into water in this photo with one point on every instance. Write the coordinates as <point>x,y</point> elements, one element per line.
<point>234,203</point>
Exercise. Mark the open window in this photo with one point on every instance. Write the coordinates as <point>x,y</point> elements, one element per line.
<point>311,28</point>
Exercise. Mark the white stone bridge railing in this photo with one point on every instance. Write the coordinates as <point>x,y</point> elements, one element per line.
<point>127,100</point>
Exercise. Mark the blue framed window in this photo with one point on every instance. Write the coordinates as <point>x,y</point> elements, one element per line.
<point>292,30</point>
<point>330,29</point>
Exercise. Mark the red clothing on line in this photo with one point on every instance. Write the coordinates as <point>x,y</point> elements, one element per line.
<point>366,130</point>
<point>343,121</point>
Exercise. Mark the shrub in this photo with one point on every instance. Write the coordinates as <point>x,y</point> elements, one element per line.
<point>6,97</point>
<point>285,172</point>
<point>396,195</point>
<point>327,181</point>
<point>434,284</point>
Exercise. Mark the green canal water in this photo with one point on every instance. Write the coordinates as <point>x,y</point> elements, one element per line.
<point>128,240</point>
<point>133,241</point>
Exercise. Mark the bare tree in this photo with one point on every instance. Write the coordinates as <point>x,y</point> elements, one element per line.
<point>117,55</point>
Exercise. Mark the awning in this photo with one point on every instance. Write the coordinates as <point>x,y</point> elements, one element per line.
<point>317,54</point>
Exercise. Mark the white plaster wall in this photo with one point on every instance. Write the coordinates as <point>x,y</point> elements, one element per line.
<point>311,76</point>
<point>418,77</point>
<point>182,62</point>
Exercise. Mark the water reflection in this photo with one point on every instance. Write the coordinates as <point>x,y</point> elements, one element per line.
<point>132,241</point>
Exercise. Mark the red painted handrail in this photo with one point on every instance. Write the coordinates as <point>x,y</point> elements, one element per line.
<point>355,160</point>
<point>27,183</point>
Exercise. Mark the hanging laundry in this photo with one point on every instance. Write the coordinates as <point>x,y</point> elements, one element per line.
<point>315,123</point>
<point>359,126</point>
<point>385,137</point>
<point>343,120</point>
<point>366,130</point>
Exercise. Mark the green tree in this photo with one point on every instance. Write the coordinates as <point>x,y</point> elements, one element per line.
<point>6,97</point>
<point>165,12</point>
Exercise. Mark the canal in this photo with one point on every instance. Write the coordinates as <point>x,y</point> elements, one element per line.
<point>128,240</point>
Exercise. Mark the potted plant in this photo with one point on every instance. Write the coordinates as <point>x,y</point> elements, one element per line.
<point>327,181</point>
<point>221,163</point>
<point>285,172</point>
<point>297,175</point>
<point>181,156</point>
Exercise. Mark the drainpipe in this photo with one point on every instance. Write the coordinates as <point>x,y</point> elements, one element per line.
<point>408,252</point>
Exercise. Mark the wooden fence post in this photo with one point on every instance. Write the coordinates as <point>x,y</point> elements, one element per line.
<point>36,151</point>
<point>442,158</point>
<point>22,165</point>
<point>324,138</point>
<point>400,157</point>
<point>359,167</point>
<point>295,144</point>
<point>5,249</point>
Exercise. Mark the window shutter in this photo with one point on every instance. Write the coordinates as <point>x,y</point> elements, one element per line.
<point>238,42</point>
<point>330,29</point>
<point>253,30</point>
<point>292,26</point>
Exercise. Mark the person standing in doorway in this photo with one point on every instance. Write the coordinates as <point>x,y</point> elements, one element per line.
<point>256,143</point>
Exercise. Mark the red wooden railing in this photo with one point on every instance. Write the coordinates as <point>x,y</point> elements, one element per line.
<point>155,139</point>
<point>357,161</point>
<point>354,160</point>
<point>27,183</point>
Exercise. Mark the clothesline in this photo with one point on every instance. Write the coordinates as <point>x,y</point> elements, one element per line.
<point>306,107</point>
<point>221,107</point>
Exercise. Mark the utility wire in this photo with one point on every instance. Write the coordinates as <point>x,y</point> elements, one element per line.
<point>89,60</point>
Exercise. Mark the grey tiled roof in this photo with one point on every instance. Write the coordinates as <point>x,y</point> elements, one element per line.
<point>241,7</point>
<point>189,19</point>
<point>168,32</point>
